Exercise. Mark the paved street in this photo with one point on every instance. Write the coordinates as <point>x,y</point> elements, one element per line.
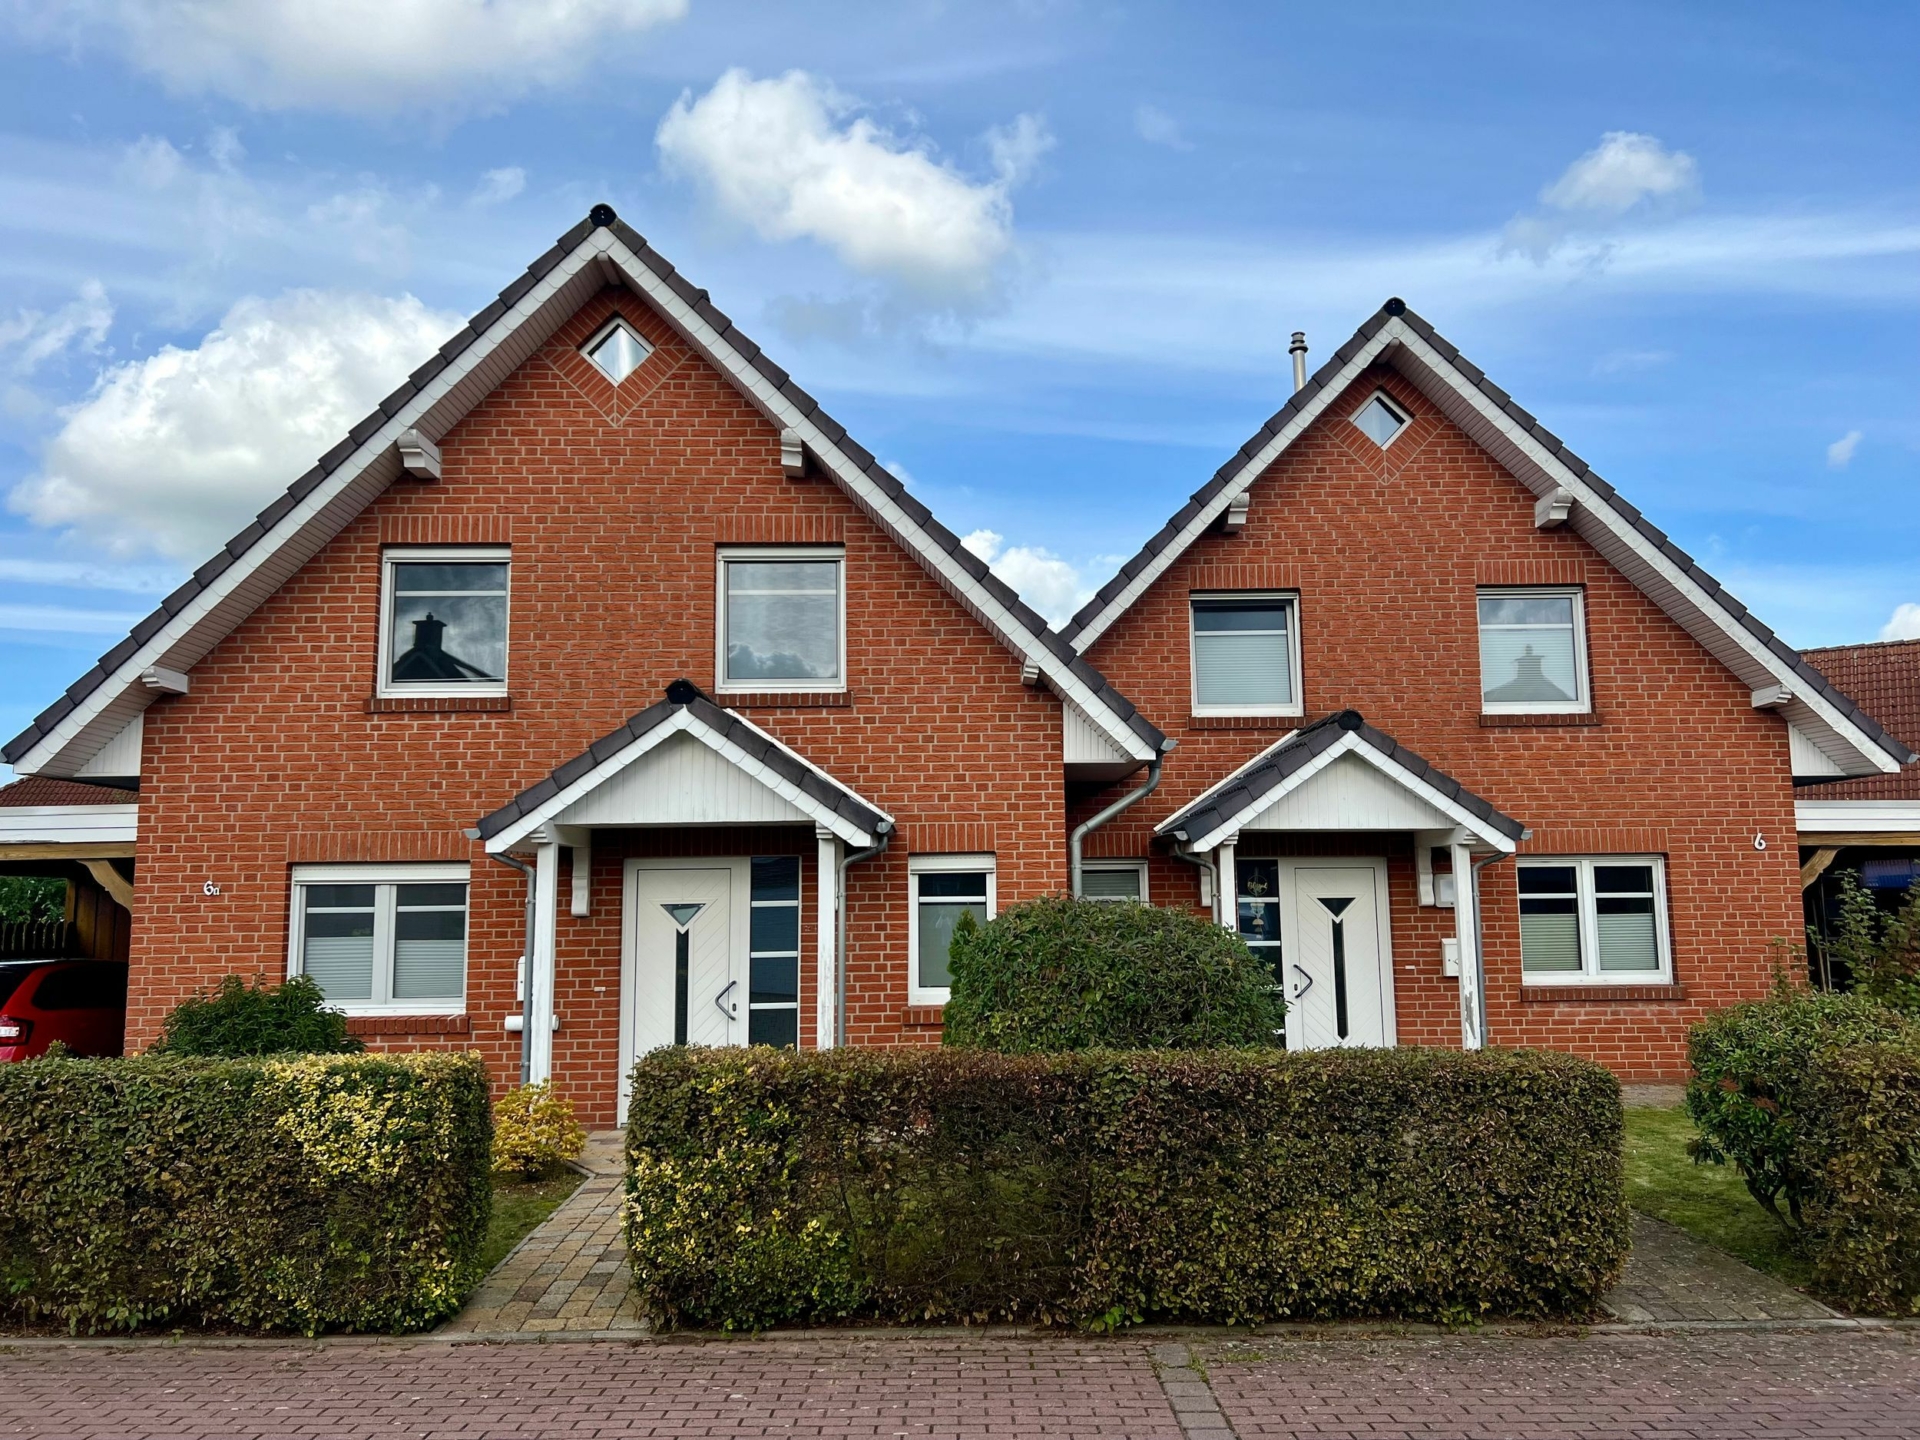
<point>1701,1383</point>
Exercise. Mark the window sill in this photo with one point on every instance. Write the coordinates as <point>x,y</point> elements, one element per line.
<point>923,1016</point>
<point>438,704</point>
<point>1602,994</point>
<point>784,700</point>
<point>1246,722</point>
<point>1506,721</point>
<point>407,1025</point>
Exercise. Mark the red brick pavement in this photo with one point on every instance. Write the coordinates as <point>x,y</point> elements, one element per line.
<point>1693,1386</point>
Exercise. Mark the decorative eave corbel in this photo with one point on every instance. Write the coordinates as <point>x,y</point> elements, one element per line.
<point>793,455</point>
<point>163,681</point>
<point>1772,697</point>
<point>1236,516</point>
<point>419,456</point>
<point>1030,672</point>
<point>1552,509</point>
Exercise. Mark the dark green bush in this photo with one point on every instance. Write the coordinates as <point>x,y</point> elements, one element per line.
<point>1107,1189</point>
<point>239,1019</point>
<point>299,1193</point>
<point>1060,974</point>
<point>1861,1137</point>
<point>1880,949</point>
<point>1751,1064</point>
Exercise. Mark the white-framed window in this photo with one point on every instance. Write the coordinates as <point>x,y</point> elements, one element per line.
<point>1246,654</point>
<point>1380,419</point>
<point>942,888</point>
<point>382,939</point>
<point>773,952</point>
<point>1113,880</point>
<point>782,619</point>
<point>617,350</point>
<point>1598,919</point>
<point>443,620</point>
<point>1533,651</point>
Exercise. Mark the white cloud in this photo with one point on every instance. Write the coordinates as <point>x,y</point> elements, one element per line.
<point>79,575</point>
<point>70,621</point>
<point>1049,584</point>
<point>1157,127</point>
<point>793,159</point>
<point>1624,174</point>
<point>174,452</point>
<point>499,186</point>
<point>1840,452</point>
<point>357,55</point>
<point>32,338</point>
<point>1904,625</point>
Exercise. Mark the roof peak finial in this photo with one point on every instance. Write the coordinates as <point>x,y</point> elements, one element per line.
<point>601,216</point>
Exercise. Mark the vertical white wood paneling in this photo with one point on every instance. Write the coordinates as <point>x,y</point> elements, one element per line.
<point>682,782</point>
<point>538,1010</point>
<point>1350,794</point>
<point>120,755</point>
<point>1082,743</point>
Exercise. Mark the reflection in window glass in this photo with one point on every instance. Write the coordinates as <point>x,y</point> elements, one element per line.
<point>773,952</point>
<point>782,620</point>
<point>1529,651</point>
<point>448,623</point>
<point>943,897</point>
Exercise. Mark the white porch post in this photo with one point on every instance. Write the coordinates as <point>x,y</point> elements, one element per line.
<point>1466,923</point>
<point>1227,898</point>
<point>538,1010</point>
<point>826,939</point>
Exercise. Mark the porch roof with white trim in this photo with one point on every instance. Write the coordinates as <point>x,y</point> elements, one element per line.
<point>601,250</point>
<point>802,789</point>
<point>1243,798</point>
<point>1395,336</point>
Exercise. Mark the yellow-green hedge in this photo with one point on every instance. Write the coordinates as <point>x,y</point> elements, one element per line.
<point>303,1193</point>
<point>1109,1188</point>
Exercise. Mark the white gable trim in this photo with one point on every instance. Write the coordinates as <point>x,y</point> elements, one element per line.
<point>683,723</point>
<point>1348,744</point>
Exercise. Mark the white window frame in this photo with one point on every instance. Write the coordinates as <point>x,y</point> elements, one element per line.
<point>1582,703</point>
<point>1139,867</point>
<point>618,322</point>
<point>389,877</point>
<point>1588,914</point>
<point>918,865</point>
<point>1291,600</point>
<point>395,555</point>
<point>838,555</point>
<point>1406,420</point>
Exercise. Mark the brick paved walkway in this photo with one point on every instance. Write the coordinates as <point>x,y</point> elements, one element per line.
<point>1693,1385</point>
<point>1672,1276</point>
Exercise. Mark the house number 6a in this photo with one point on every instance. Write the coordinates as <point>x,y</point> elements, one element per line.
<point>209,888</point>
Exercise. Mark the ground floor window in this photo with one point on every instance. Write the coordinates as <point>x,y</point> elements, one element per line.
<point>773,949</point>
<point>942,888</point>
<point>389,938</point>
<point>1594,919</point>
<point>1113,880</point>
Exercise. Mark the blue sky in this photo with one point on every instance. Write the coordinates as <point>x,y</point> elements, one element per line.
<point>1042,257</point>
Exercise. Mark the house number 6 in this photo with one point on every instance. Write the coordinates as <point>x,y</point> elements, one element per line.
<point>209,888</point>
<point>1759,841</point>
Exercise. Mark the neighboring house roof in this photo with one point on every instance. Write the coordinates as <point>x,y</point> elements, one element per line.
<point>45,790</point>
<point>600,250</point>
<point>798,781</point>
<point>1885,679</point>
<point>1396,336</point>
<point>1223,809</point>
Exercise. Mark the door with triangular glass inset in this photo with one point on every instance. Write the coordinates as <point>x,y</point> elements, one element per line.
<point>1338,982</point>
<point>685,985</point>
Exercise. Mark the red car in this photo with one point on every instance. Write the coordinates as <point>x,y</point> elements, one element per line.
<point>82,1003</point>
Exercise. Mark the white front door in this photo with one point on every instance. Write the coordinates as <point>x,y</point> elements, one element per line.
<point>1337,957</point>
<point>685,963</point>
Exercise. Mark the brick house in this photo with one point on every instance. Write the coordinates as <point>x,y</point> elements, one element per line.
<point>599,691</point>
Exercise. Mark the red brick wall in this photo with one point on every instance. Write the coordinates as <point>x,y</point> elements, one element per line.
<point>1386,549</point>
<point>613,502</point>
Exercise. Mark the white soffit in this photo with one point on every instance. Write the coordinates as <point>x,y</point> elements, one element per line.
<point>1809,760</point>
<point>120,756</point>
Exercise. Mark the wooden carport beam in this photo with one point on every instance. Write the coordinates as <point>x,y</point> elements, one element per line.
<point>111,881</point>
<point>1815,865</point>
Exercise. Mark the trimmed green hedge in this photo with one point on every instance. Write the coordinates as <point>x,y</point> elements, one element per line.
<point>295,1193</point>
<point>1107,1188</point>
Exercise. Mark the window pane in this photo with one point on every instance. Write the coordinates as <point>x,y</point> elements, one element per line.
<point>429,951</point>
<point>775,928</point>
<point>1378,421</point>
<point>1110,884</point>
<point>936,938</point>
<point>1548,880</point>
<point>1549,936</point>
<point>776,877</point>
<point>440,896</point>
<point>774,980</point>
<point>783,620</point>
<point>1526,610</point>
<point>487,577</point>
<point>1527,651</point>
<point>970,883</point>
<point>773,1027</point>
<point>1623,879</point>
<point>1242,668</point>
<point>1627,938</point>
<point>445,638</point>
<point>339,897</point>
<point>1211,616</point>
<point>337,949</point>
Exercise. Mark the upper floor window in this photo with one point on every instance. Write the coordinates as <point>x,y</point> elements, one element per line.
<point>1380,420</point>
<point>944,887</point>
<point>382,937</point>
<point>443,628</point>
<point>1533,652</point>
<point>617,351</point>
<point>783,619</point>
<point>1246,655</point>
<point>1602,918</point>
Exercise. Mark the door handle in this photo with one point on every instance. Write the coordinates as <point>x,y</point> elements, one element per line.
<point>732,1012</point>
<point>1308,985</point>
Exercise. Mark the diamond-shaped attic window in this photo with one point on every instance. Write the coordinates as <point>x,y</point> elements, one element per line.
<point>1380,420</point>
<point>618,351</point>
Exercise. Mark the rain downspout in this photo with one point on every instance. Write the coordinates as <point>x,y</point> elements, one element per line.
<point>840,935</point>
<point>1087,827</point>
<point>1207,871</point>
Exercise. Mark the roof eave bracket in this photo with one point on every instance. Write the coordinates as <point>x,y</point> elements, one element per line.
<point>1553,509</point>
<point>419,456</point>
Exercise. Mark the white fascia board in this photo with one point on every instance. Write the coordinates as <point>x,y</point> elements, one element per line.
<point>1624,546</point>
<point>1368,355</point>
<point>1814,817</point>
<point>1228,779</point>
<point>69,824</point>
<point>1005,627</point>
<point>681,724</point>
<point>377,448</point>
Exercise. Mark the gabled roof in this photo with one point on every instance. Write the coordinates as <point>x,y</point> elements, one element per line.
<point>1224,808</point>
<point>45,790</point>
<point>802,784</point>
<point>600,250</point>
<point>1396,336</point>
<point>1884,677</point>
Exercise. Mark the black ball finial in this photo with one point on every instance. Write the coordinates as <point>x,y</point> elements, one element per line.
<point>1395,306</point>
<point>683,692</point>
<point>602,215</point>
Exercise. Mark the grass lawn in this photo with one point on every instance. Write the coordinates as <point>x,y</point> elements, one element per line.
<point>519,1205</point>
<point>1709,1202</point>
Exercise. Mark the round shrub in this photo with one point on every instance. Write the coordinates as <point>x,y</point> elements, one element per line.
<point>533,1131</point>
<point>238,1019</point>
<point>1063,974</point>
